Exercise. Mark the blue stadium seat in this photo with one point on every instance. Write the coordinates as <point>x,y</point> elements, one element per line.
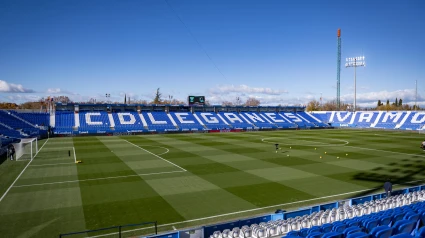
<point>358,235</point>
<point>314,229</point>
<point>326,228</point>
<point>403,226</point>
<point>385,220</point>
<point>382,232</point>
<point>303,232</point>
<point>315,235</point>
<point>350,230</point>
<point>404,235</point>
<point>293,233</point>
<point>332,235</point>
<point>339,227</point>
<point>420,232</point>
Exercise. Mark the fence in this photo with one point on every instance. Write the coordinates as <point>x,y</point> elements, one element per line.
<point>129,230</point>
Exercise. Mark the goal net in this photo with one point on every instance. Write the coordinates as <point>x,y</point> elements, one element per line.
<point>422,129</point>
<point>26,149</point>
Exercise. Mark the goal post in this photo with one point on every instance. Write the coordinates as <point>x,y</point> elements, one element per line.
<point>26,149</point>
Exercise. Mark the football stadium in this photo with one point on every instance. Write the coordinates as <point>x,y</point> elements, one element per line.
<point>212,119</point>
<point>199,171</point>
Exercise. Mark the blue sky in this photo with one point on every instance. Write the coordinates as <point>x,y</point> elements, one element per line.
<point>281,52</point>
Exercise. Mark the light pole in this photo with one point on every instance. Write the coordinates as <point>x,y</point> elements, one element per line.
<point>320,100</point>
<point>107,95</point>
<point>355,62</point>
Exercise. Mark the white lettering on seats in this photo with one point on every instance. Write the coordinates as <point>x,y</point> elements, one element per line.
<point>155,121</point>
<point>126,122</point>
<point>209,118</point>
<point>89,120</point>
<point>366,116</point>
<point>181,116</point>
<point>293,117</point>
<point>340,119</point>
<point>416,116</point>
<point>273,116</point>
<point>254,117</point>
<point>394,116</point>
<point>232,117</point>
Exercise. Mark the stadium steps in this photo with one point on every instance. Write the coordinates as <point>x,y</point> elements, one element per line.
<point>8,127</point>
<point>52,119</point>
<point>24,121</point>
<point>111,120</point>
<point>77,120</point>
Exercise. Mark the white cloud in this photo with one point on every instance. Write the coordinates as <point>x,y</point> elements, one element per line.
<point>6,87</point>
<point>244,89</point>
<point>54,90</point>
<point>407,95</point>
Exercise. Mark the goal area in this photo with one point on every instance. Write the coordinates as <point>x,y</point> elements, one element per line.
<point>26,149</point>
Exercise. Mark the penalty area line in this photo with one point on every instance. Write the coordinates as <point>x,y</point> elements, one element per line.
<point>156,155</point>
<point>94,179</point>
<point>39,165</point>
<point>5,193</point>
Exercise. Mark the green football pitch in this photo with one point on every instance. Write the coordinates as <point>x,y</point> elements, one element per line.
<point>187,180</point>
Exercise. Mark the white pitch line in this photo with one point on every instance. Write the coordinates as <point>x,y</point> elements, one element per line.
<point>265,140</point>
<point>75,157</point>
<point>394,152</point>
<point>94,179</point>
<point>37,165</point>
<point>5,193</point>
<point>250,210</point>
<point>156,155</point>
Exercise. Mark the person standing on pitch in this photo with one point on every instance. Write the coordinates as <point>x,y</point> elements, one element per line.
<point>423,145</point>
<point>388,186</point>
<point>277,147</point>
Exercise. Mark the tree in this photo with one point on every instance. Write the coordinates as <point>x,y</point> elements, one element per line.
<point>379,103</point>
<point>313,106</point>
<point>157,99</point>
<point>226,103</point>
<point>400,102</point>
<point>252,102</point>
<point>388,102</point>
<point>396,102</point>
<point>7,105</point>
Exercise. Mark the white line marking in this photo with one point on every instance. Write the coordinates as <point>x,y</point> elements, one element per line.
<point>5,193</point>
<point>37,165</point>
<point>93,179</point>
<point>324,144</point>
<point>156,156</point>
<point>75,157</point>
<point>386,151</point>
<point>250,210</point>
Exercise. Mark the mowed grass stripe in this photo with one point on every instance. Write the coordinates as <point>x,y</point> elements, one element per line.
<point>285,176</point>
<point>212,172</point>
<point>112,202</point>
<point>43,211</point>
<point>139,160</point>
<point>191,194</point>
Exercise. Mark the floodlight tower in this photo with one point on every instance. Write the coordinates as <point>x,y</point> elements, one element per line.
<point>338,69</point>
<point>355,62</point>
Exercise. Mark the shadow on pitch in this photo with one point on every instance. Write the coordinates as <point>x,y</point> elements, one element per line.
<point>402,173</point>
